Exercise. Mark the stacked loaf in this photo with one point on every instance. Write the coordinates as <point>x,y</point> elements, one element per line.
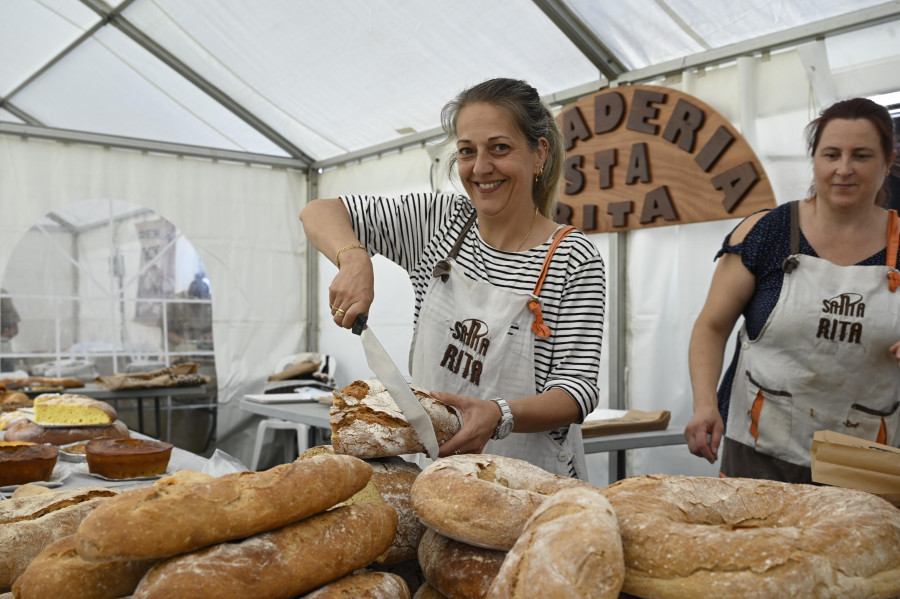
<point>262,534</point>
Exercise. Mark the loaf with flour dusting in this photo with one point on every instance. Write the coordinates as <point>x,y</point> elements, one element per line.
<point>160,521</point>
<point>366,422</point>
<point>459,570</point>
<point>278,564</point>
<point>363,585</point>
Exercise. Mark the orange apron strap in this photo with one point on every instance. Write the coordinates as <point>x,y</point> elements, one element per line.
<point>882,433</point>
<point>893,242</point>
<point>755,411</point>
<point>538,326</point>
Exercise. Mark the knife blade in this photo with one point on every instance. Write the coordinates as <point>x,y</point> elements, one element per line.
<point>386,371</point>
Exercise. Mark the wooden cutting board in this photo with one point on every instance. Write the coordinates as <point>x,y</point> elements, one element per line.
<point>632,421</point>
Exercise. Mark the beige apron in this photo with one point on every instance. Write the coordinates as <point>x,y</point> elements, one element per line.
<point>821,361</point>
<point>475,339</point>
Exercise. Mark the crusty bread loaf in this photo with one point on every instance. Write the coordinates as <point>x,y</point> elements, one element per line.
<point>366,422</point>
<point>483,500</point>
<point>29,524</point>
<point>69,408</point>
<point>22,463</point>
<point>13,400</point>
<point>701,537</point>
<point>458,570</point>
<point>363,585</point>
<point>181,477</point>
<point>29,489</point>
<point>23,429</point>
<point>392,479</point>
<point>426,591</point>
<point>160,521</point>
<point>570,548</point>
<point>280,563</point>
<point>410,571</point>
<point>58,573</point>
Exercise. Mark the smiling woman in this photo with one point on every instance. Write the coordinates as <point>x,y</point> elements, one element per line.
<point>492,262</point>
<point>817,283</point>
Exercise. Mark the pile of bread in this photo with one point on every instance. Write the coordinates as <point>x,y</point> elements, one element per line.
<point>332,524</point>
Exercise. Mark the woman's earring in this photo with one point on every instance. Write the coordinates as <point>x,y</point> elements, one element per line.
<point>537,177</point>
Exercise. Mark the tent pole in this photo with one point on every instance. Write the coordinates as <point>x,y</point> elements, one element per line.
<point>312,272</point>
<point>615,336</point>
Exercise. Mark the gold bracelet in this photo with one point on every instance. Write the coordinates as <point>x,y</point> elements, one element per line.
<point>337,257</point>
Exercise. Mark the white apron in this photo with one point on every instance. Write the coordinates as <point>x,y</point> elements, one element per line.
<point>821,362</point>
<point>475,339</point>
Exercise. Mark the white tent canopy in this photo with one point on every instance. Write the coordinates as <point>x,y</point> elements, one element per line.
<point>227,117</point>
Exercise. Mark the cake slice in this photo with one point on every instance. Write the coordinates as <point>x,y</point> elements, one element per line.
<point>68,408</point>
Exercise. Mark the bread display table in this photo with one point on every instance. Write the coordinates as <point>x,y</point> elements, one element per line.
<point>315,414</point>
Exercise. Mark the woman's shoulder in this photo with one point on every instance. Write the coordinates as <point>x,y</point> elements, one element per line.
<point>762,224</point>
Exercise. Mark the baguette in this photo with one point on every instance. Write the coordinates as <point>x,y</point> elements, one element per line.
<point>161,521</point>
<point>29,524</point>
<point>58,572</point>
<point>280,563</point>
<point>366,422</point>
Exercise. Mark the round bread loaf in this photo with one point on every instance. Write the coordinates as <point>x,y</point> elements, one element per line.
<point>459,570</point>
<point>23,429</point>
<point>570,548</point>
<point>69,408</point>
<point>363,585</point>
<point>483,500</point>
<point>426,591</point>
<point>13,400</point>
<point>711,537</point>
<point>22,463</point>
<point>58,573</point>
<point>127,458</point>
<point>366,422</point>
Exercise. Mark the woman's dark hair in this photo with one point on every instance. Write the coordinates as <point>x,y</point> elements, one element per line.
<point>855,109</point>
<point>531,117</point>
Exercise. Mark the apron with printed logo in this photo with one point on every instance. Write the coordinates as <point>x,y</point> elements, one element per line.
<point>821,361</point>
<point>479,342</point>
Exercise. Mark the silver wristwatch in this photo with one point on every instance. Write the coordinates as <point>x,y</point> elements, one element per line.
<point>506,420</point>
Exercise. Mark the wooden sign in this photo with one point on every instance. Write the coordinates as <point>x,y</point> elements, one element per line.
<point>642,156</point>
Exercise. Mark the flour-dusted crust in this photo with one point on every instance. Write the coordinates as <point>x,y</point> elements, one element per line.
<point>458,570</point>
<point>23,429</point>
<point>363,585</point>
<point>570,548</point>
<point>160,521</point>
<point>483,500</point>
<point>58,573</point>
<point>426,591</point>
<point>709,537</point>
<point>281,563</point>
<point>366,422</point>
<point>29,524</point>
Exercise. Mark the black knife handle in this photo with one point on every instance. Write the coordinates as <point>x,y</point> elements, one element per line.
<point>359,324</point>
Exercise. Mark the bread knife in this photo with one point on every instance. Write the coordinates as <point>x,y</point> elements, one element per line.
<point>386,371</point>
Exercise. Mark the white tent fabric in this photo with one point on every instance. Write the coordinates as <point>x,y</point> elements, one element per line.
<point>242,221</point>
<point>339,87</point>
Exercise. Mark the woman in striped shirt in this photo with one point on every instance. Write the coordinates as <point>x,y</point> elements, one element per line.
<point>509,304</point>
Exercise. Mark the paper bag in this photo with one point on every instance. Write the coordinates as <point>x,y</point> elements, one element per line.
<point>846,461</point>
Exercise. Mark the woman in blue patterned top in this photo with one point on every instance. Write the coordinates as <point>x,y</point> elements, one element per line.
<point>508,304</point>
<point>816,282</point>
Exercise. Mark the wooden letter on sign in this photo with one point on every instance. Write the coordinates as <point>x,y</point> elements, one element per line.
<point>642,156</point>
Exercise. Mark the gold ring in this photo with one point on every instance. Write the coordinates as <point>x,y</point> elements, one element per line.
<point>333,307</point>
<point>339,312</point>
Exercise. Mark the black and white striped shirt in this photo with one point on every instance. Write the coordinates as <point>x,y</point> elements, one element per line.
<point>415,231</point>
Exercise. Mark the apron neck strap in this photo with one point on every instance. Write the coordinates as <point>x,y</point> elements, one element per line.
<point>538,327</point>
<point>791,262</point>
<point>442,268</point>
<point>893,243</point>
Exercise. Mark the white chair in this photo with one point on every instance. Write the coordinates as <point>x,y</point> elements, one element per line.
<point>275,425</point>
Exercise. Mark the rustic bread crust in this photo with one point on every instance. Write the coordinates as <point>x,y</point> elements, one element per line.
<point>458,570</point>
<point>483,500</point>
<point>160,521</point>
<point>366,422</point>
<point>570,548</point>
<point>58,573</point>
<point>280,563</point>
<point>426,591</point>
<point>709,537</point>
<point>29,524</point>
<point>363,585</point>
<point>23,429</point>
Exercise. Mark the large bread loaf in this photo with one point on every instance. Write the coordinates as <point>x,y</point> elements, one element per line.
<point>160,521</point>
<point>366,422</point>
<point>363,585</point>
<point>459,570</point>
<point>29,524</point>
<point>58,573</point>
<point>23,429</point>
<point>570,547</point>
<point>280,563</point>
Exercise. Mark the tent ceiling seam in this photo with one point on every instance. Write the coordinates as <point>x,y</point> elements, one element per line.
<point>146,42</point>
